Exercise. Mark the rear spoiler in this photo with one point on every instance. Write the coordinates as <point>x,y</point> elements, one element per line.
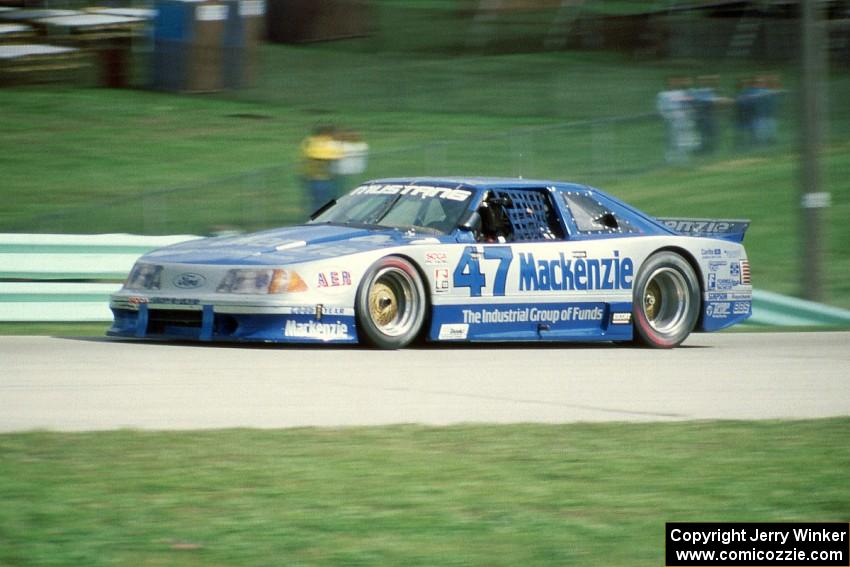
<point>726,229</point>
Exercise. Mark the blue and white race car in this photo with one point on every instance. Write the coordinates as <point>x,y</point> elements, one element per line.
<point>448,259</point>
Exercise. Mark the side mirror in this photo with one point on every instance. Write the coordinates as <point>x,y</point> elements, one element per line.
<point>472,222</point>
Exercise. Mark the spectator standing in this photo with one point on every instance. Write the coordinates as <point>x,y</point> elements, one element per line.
<point>746,110</point>
<point>769,90</point>
<point>674,106</point>
<point>705,100</point>
<point>320,152</point>
<point>355,153</point>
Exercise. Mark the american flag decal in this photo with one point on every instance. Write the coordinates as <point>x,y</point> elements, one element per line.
<point>745,272</point>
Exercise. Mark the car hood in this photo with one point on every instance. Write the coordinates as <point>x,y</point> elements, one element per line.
<point>291,245</point>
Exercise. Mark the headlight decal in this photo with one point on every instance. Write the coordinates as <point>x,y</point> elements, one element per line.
<point>286,281</point>
<point>144,277</point>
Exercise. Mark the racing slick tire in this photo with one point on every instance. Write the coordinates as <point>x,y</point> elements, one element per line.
<point>666,301</point>
<point>390,304</point>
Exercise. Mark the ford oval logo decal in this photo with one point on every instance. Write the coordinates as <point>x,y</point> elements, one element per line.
<point>189,281</point>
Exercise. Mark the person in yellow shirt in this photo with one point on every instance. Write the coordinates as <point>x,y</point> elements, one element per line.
<point>320,152</point>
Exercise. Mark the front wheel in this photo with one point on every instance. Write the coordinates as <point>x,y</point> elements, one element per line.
<point>390,304</point>
<point>666,301</point>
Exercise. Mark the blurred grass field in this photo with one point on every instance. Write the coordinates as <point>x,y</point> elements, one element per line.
<point>465,495</point>
<point>81,159</point>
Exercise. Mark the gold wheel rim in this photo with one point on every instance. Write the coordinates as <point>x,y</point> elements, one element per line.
<point>383,304</point>
<point>652,300</point>
<point>667,302</point>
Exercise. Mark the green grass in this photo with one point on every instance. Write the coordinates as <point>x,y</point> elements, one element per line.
<point>79,159</point>
<point>465,495</point>
<point>762,189</point>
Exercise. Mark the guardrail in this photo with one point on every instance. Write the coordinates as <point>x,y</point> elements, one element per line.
<point>775,310</point>
<point>55,277</point>
<point>58,277</point>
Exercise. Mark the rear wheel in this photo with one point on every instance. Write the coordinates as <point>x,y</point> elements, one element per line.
<point>391,304</point>
<point>666,301</point>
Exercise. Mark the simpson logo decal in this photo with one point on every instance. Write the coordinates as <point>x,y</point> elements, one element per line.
<point>457,331</point>
<point>189,281</point>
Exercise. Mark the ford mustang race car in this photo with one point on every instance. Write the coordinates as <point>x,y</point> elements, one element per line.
<point>466,259</point>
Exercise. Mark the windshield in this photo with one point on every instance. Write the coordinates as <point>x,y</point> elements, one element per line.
<point>419,207</point>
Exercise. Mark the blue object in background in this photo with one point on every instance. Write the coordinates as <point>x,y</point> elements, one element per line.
<point>235,46</point>
<point>189,46</point>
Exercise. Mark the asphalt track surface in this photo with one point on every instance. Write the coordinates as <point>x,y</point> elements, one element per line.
<point>95,384</point>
